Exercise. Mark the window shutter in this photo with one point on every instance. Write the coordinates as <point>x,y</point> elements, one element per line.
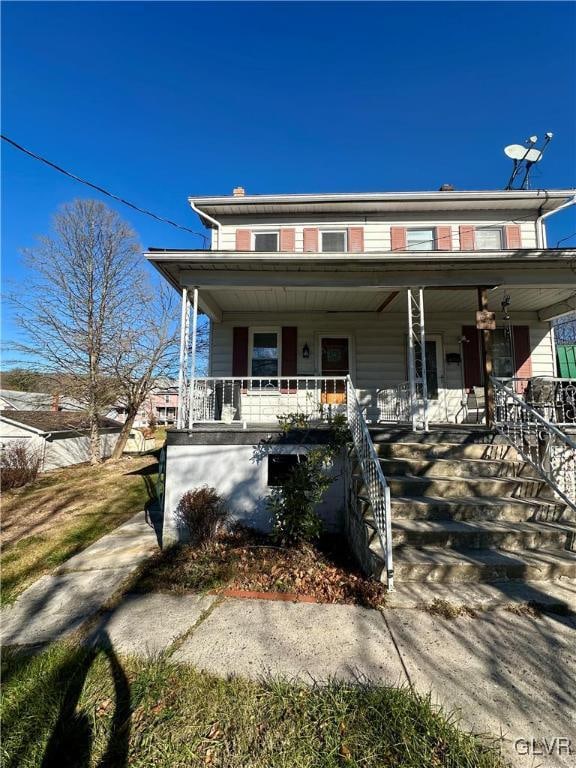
<point>310,239</point>
<point>397,238</point>
<point>467,238</point>
<point>513,237</point>
<point>288,240</point>
<point>289,365</point>
<point>443,238</point>
<point>471,357</point>
<point>243,239</point>
<point>240,351</point>
<point>523,360</point>
<point>356,239</point>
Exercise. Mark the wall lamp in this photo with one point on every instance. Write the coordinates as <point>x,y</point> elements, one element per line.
<point>306,351</point>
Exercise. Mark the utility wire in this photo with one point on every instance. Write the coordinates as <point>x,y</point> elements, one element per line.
<point>102,190</point>
<point>568,237</point>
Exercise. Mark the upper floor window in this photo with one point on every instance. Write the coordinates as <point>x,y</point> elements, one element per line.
<point>266,241</point>
<point>420,240</point>
<point>333,241</point>
<point>488,238</point>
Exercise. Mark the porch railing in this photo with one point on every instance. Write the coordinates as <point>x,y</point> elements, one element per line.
<point>393,403</point>
<point>373,476</point>
<point>542,444</point>
<point>553,398</point>
<point>259,400</point>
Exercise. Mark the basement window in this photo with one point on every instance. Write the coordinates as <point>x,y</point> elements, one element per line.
<point>280,465</point>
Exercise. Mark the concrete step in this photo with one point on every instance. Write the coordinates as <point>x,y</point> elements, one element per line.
<point>484,565</point>
<point>450,487</point>
<point>455,434</point>
<point>470,468</point>
<point>470,508</point>
<point>425,451</point>
<point>482,534</point>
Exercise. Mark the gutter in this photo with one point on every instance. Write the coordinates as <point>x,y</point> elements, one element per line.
<point>541,239</point>
<point>203,215</point>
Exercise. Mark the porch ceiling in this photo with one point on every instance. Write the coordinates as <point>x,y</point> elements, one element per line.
<point>383,300</point>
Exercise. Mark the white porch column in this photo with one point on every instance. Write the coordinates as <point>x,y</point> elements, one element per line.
<point>193,361</point>
<point>183,365</point>
<point>417,359</point>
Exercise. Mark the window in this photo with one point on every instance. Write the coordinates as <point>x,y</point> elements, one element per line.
<point>280,465</point>
<point>488,238</point>
<point>503,360</point>
<point>265,354</point>
<point>266,241</point>
<point>420,240</point>
<point>334,242</point>
<point>166,398</point>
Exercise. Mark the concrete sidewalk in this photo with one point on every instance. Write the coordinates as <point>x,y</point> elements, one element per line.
<point>505,674</point>
<point>60,602</point>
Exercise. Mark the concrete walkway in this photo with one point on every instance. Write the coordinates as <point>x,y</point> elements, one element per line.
<point>59,603</point>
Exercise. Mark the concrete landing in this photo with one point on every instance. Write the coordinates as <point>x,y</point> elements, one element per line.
<point>59,603</point>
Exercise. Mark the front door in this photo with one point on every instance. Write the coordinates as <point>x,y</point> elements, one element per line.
<point>435,378</point>
<point>335,361</point>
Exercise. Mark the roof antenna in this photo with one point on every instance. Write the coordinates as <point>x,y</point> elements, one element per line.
<point>524,158</point>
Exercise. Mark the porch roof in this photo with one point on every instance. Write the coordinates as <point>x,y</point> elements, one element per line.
<point>538,200</point>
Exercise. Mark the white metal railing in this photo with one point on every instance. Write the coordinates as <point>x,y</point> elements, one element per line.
<point>542,444</point>
<point>374,480</point>
<point>393,403</point>
<point>245,400</point>
<point>553,398</point>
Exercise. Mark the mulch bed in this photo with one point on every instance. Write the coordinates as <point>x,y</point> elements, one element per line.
<point>244,561</point>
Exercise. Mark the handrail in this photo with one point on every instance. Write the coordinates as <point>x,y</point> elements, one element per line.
<point>542,444</point>
<point>374,480</point>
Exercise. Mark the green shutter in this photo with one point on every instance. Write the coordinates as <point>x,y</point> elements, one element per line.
<point>566,360</point>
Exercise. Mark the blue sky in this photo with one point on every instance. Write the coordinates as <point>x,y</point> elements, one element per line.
<point>158,101</point>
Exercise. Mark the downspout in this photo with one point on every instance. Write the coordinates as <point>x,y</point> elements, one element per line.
<point>46,436</point>
<point>541,241</point>
<point>212,220</point>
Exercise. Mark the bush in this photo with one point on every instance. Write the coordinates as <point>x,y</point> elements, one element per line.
<point>203,512</point>
<point>19,465</point>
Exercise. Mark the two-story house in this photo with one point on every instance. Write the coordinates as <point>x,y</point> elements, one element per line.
<point>424,316</point>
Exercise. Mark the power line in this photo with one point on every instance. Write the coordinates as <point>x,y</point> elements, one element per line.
<point>568,237</point>
<point>102,190</point>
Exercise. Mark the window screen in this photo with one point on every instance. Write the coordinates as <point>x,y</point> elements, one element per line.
<point>266,241</point>
<point>334,241</point>
<point>264,354</point>
<point>488,238</point>
<point>420,240</point>
<point>502,354</point>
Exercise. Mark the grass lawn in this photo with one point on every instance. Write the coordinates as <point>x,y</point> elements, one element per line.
<point>60,514</point>
<point>73,706</point>
<point>242,559</point>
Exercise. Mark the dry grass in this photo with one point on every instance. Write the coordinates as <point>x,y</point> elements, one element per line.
<point>449,610</point>
<point>61,513</point>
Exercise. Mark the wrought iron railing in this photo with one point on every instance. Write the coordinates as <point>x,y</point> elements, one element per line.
<point>376,486</point>
<point>552,398</point>
<point>542,444</point>
<point>257,400</point>
<point>393,403</point>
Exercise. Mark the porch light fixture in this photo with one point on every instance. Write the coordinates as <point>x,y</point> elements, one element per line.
<point>306,351</point>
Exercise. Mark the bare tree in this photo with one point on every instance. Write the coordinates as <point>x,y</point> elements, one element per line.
<point>91,316</point>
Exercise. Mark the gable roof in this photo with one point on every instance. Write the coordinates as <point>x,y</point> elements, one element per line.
<point>529,200</point>
<point>56,421</point>
<point>37,401</point>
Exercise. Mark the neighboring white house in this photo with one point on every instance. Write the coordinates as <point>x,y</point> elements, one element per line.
<point>407,303</point>
<point>11,399</point>
<point>60,438</point>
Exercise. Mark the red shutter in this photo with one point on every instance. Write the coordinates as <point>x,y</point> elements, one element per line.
<point>471,362</point>
<point>240,351</point>
<point>289,365</point>
<point>356,239</point>
<point>443,238</point>
<point>310,240</point>
<point>288,240</point>
<point>243,239</point>
<point>513,238</point>
<point>467,238</point>
<point>397,238</point>
<point>523,360</point>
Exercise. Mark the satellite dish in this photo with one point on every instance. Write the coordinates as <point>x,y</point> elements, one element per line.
<point>518,152</point>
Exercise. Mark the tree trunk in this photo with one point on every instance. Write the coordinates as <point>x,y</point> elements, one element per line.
<point>95,455</point>
<point>124,434</point>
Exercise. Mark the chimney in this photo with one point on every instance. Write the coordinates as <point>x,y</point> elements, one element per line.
<point>446,188</point>
<point>238,191</point>
<point>56,402</point>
